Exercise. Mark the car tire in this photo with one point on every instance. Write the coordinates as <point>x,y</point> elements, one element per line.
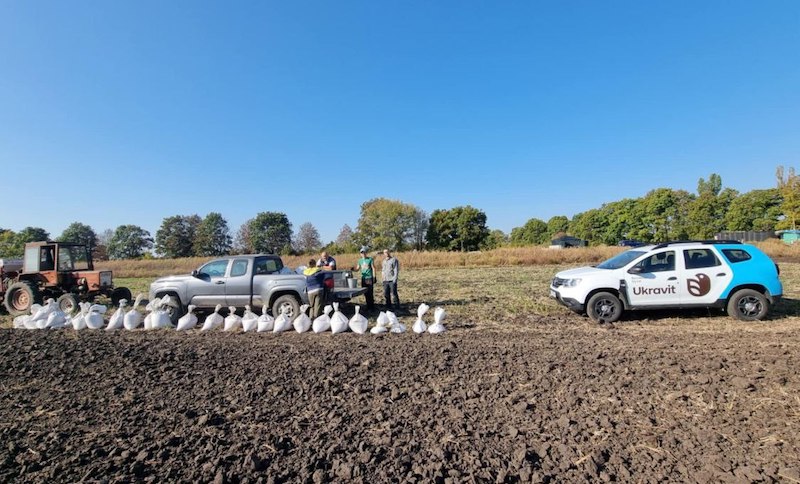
<point>604,307</point>
<point>748,305</point>
<point>289,303</point>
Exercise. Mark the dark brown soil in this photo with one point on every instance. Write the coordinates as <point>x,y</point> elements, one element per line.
<point>556,400</point>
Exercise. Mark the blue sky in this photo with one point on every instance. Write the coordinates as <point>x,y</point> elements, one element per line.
<point>128,112</point>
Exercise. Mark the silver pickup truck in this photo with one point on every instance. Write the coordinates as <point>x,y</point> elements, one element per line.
<point>256,280</point>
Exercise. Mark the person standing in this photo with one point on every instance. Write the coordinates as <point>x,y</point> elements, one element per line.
<point>389,273</point>
<point>316,288</point>
<point>367,267</point>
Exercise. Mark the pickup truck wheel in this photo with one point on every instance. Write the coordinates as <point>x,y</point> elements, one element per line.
<point>289,304</point>
<point>748,305</point>
<point>604,307</point>
<point>20,297</point>
<point>119,294</point>
<point>174,309</point>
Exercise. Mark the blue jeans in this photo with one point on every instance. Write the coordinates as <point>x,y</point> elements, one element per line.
<point>389,292</point>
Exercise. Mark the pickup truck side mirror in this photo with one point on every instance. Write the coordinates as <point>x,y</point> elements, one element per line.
<point>195,273</point>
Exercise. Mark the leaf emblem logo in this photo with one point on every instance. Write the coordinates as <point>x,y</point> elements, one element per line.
<point>699,286</point>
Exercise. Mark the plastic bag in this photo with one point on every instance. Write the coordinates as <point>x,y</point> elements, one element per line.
<point>232,321</point>
<point>133,318</point>
<point>358,323</point>
<point>302,323</point>
<point>188,320</point>
<point>394,324</point>
<point>213,320</point>
<point>249,320</point>
<point>56,319</point>
<point>419,324</point>
<point>79,321</point>
<point>381,325</point>
<point>338,320</point>
<point>94,320</point>
<point>438,316</point>
<point>282,323</point>
<point>118,319</point>
<point>38,319</point>
<point>323,322</point>
<point>265,321</point>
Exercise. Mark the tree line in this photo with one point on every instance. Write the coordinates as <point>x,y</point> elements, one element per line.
<point>662,214</point>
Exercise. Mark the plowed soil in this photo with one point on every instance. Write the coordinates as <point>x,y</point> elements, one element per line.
<point>557,400</point>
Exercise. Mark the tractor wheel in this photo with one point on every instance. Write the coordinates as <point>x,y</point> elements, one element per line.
<point>119,294</point>
<point>20,297</point>
<point>68,303</point>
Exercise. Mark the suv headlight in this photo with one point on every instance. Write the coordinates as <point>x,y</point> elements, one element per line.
<point>571,282</point>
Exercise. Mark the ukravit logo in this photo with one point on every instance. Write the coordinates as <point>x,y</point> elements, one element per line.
<point>699,286</point>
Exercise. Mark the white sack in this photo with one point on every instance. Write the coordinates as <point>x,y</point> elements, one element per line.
<point>338,320</point>
<point>323,322</point>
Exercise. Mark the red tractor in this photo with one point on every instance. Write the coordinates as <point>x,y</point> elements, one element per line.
<point>60,270</point>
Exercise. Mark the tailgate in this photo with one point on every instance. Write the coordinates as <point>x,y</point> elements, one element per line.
<point>344,294</point>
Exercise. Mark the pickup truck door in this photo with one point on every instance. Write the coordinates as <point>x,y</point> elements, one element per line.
<point>238,284</point>
<point>208,286</point>
<point>653,281</point>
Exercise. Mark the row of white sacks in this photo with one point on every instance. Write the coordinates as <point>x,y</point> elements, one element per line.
<point>91,316</point>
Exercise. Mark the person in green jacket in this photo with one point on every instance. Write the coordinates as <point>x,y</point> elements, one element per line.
<point>367,267</point>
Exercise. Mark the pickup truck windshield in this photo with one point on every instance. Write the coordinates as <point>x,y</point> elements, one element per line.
<point>620,260</point>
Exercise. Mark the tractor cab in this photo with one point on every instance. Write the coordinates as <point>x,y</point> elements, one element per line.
<point>56,256</point>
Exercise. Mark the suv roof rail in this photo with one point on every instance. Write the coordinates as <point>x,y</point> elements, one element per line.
<point>709,242</point>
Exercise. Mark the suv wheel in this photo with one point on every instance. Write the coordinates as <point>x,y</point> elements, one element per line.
<point>748,305</point>
<point>289,304</point>
<point>604,307</point>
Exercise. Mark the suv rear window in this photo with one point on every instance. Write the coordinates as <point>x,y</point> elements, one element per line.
<point>736,255</point>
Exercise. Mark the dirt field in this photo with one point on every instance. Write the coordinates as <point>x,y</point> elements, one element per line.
<point>559,400</point>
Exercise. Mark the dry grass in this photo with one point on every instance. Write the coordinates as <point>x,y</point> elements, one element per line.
<point>505,257</point>
<point>520,256</point>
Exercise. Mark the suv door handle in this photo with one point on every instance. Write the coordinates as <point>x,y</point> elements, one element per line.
<point>220,282</point>
<point>721,274</point>
<point>673,278</point>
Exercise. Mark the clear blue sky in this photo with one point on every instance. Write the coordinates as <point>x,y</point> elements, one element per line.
<point>126,112</point>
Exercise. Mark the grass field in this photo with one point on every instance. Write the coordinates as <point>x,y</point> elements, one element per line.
<point>513,296</point>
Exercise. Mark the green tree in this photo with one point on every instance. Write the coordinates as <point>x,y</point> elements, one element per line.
<point>664,214</point>
<point>344,243</point>
<point>589,225</point>
<point>754,210</point>
<point>789,187</point>
<point>32,234</point>
<point>496,239</point>
<point>307,239</point>
<point>386,223</point>
<point>175,237</point>
<point>129,242</point>
<point>706,213</point>
<point>9,248</point>
<point>270,232</point>
<point>460,228</point>
<point>534,232</point>
<point>557,224</point>
<point>212,236</point>
<point>81,234</point>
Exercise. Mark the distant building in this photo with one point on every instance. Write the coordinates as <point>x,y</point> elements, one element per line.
<point>567,241</point>
<point>745,235</point>
<point>789,236</point>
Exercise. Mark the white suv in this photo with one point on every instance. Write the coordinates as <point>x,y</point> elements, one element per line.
<point>723,274</point>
